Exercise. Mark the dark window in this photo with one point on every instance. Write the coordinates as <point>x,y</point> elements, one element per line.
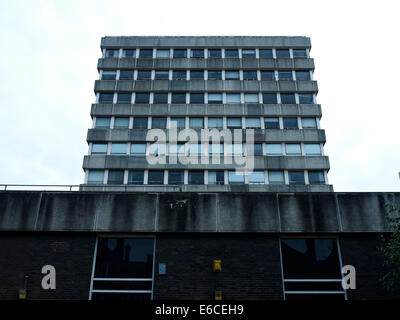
<point>121,123</point>
<point>231,53</point>
<point>306,98</point>
<point>214,53</point>
<point>156,177</point>
<point>265,53</point>
<point>270,98</point>
<point>303,75</point>
<point>102,122</point>
<point>146,53</point>
<point>316,177</point>
<point>232,75</point>
<point>178,98</point>
<point>282,53</point>
<point>179,75</point>
<point>159,123</point>
<point>257,149</point>
<point>197,98</point>
<point>136,177</point>
<point>296,177</point>
<point>124,98</point>
<point>290,123</point>
<point>214,75</point>
<point>115,177</point>
<point>142,97</point>
<point>196,177</point>
<point>215,98</point>
<point>299,53</point>
<point>112,53</point>
<point>140,123</point>
<point>285,75</point>
<point>196,123</point>
<point>271,123</point>
<point>129,53</point>
<point>267,75</point>
<point>197,75</point>
<point>248,53</point>
<point>108,75</point>
<point>249,75</point>
<point>216,177</point>
<point>180,122</point>
<point>106,97</point>
<point>175,177</point>
<point>180,53</point>
<point>161,74</point>
<point>197,53</point>
<point>215,122</point>
<point>288,98</point>
<point>234,123</point>
<point>309,123</point>
<point>160,98</point>
<point>144,74</point>
<point>126,75</point>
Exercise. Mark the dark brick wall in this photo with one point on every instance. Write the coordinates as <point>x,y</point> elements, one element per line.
<point>26,253</point>
<point>360,251</point>
<point>250,267</point>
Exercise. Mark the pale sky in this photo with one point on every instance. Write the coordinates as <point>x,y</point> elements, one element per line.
<point>48,65</point>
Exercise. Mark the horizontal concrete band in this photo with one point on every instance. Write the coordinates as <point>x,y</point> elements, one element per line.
<point>194,212</point>
<point>205,41</point>
<point>206,86</point>
<point>112,63</point>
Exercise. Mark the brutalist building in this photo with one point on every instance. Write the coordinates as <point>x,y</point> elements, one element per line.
<point>206,178</point>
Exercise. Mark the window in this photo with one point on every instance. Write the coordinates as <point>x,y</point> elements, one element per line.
<point>296,177</point>
<point>274,149</point>
<point>162,53</point>
<point>215,98</point>
<point>231,53</point>
<point>306,98</point>
<point>312,149</point>
<point>215,122</point>
<point>179,122</point>
<point>178,97</point>
<point>288,98</point>
<point>249,75</point>
<point>257,149</point>
<point>142,97</point>
<point>140,123</point>
<point>156,177</point>
<point>282,53</point>
<point>115,177</point>
<point>175,177</point>
<point>216,177</point>
<point>232,75</point>
<point>99,148</point>
<point>214,75</point>
<point>293,149</point>
<point>267,75</point>
<point>269,98</point>
<point>316,177</point>
<point>118,149</point>
<point>216,148</point>
<point>138,149</point>
<point>256,177</point>
<point>197,98</point>
<point>124,98</point>
<point>271,123</point>
<point>253,123</point>
<point>194,149</point>
<point>96,177</point>
<point>290,123</point>
<point>265,53</point>
<point>303,75</point>
<point>121,123</point>
<point>179,75</point>
<point>197,75</point>
<point>146,53</point>
<point>106,97</point>
<point>161,74</point>
<point>129,53</point>
<point>299,53</point>
<point>126,75</point>
<point>196,177</point>
<point>197,53</point>
<point>235,178</point>
<point>136,177</point>
<point>102,123</point>
<point>309,123</point>
<point>235,149</point>
<point>214,53</point>
<point>248,53</point>
<point>109,75</point>
<point>158,149</point>
<point>123,269</point>
<point>144,74</point>
<point>311,269</point>
<point>196,123</point>
<point>160,98</point>
<point>251,98</point>
<point>276,177</point>
<point>112,53</point>
<point>285,75</point>
<point>233,98</point>
<point>234,123</point>
<point>158,123</point>
<point>177,149</point>
<point>180,53</point>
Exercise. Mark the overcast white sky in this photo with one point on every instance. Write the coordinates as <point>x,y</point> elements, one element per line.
<point>49,52</point>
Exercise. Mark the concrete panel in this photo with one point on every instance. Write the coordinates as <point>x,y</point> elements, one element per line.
<point>269,86</point>
<point>108,63</point>
<point>125,85</point>
<point>142,85</point>
<point>126,63</point>
<point>307,86</point>
<point>122,109</point>
<point>251,85</point>
<point>160,85</point>
<point>179,85</point>
<point>180,63</point>
<point>214,85</point>
<point>231,64</point>
<point>101,109</point>
<point>214,63</point>
<point>141,109</point>
<point>144,63</point>
<point>249,63</point>
<point>284,64</point>
<point>267,64</point>
<point>197,85</point>
<point>159,109</point>
<point>161,63</point>
<point>104,85</point>
<point>303,63</point>
<point>286,86</point>
<point>232,85</point>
